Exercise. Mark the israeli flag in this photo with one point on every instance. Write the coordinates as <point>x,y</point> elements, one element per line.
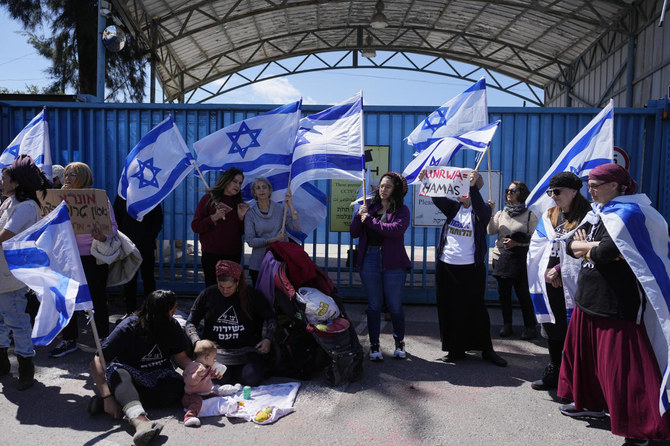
<point>442,151</point>
<point>641,234</point>
<point>467,111</point>
<point>262,143</point>
<point>543,242</point>
<point>329,144</point>
<point>34,141</point>
<point>154,168</point>
<point>45,257</point>
<point>592,147</point>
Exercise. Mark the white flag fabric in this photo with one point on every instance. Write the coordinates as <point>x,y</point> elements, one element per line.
<point>33,140</point>
<point>543,241</point>
<point>442,151</point>
<point>592,147</point>
<point>641,234</point>
<point>262,143</point>
<point>329,144</point>
<point>467,111</point>
<point>154,168</point>
<point>45,257</point>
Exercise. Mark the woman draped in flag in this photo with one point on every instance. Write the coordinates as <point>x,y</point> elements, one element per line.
<point>219,221</point>
<point>609,362</point>
<point>514,225</point>
<point>19,211</point>
<point>79,176</point>
<point>460,276</point>
<point>140,353</point>
<point>263,223</point>
<point>382,260</point>
<point>557,269</point>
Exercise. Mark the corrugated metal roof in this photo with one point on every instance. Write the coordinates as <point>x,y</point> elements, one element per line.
<point>197,42</point>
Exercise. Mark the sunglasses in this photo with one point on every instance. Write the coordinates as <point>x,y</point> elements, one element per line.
<point>511,191</point>
<point>555,192</point>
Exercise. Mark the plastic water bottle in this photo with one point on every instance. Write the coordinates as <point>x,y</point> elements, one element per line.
<point>246,392</point>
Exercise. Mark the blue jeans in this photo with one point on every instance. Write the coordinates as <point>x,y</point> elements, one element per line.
<point>379,284</point>
<point>13,317</point>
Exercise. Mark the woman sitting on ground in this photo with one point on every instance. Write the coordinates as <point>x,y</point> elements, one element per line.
<point>140,353</point>
<point>238,320</point>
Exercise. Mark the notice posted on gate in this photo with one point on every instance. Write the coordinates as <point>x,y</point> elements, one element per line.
<point>88,208</point>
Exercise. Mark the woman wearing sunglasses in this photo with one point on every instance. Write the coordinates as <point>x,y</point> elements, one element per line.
<point>514,225</point>
<point>558,223</point>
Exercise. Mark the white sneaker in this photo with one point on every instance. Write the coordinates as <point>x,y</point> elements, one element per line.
<point>375,353</point>
<point>399,352</point>
<point>192,422</point>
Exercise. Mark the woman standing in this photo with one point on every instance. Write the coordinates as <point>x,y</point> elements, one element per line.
<point>558,223</point>
<point>79,176</point>
<point>19,211</point>
<point>263,223</point>
<point>382,260</point>
<point>139,354</point>
<point>460,276</point>
<point>238,320</point>
<point>608,360</point>
<point>514,226</point>
<point>219,221</point>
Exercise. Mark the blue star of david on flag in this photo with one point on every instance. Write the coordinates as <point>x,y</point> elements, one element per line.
<point>235,139</point>
<point>148,165</point>
<point>300,138</point>
<point>435,122</point>
<point>434,161</point>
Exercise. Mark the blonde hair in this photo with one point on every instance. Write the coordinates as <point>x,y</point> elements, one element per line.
<point>83,175</point>
<point>204,347</point>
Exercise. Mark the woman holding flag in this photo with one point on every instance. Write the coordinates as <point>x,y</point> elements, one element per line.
<point>219,221</point>
<point>19,211</point>
<point>382,260</point>
<point>609,361</point>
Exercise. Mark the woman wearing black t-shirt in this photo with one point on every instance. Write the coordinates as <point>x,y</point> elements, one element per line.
<point>238,320</point>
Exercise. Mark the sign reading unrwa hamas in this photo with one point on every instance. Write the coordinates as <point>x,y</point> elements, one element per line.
<point>88,208</point>
<point>444,181</point>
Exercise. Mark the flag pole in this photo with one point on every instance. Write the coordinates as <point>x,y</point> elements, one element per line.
<point>283,221</point>
<point>202,177</point>
<point>96,337</point>
<point>482,158</point>
<point>488,158</point>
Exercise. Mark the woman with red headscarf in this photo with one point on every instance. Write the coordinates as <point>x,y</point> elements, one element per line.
<point>238,320</point>
<point>608,360</point>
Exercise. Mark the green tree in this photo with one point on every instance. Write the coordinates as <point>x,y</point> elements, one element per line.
<point>72,48</point>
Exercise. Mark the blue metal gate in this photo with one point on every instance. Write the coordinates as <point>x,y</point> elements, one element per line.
<point>527,142</point>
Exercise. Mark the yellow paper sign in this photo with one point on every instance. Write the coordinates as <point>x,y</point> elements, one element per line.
<point>88,208</point>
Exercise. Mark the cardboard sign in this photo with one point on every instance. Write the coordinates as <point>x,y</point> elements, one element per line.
<point>444,181</point>
<point>87,208</point>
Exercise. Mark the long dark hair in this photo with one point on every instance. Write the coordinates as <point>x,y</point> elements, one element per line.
<point>398,194</point>
<point>579,207</point>
<point>25,191</point>
<point>154,315</point>
<point>216,192</point>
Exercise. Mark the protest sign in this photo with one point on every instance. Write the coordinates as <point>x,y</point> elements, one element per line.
<point>444,181</point>
<point>87,208</point>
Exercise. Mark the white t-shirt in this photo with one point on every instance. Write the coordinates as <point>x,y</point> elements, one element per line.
<point>459,247</point>
<point>16,217</point>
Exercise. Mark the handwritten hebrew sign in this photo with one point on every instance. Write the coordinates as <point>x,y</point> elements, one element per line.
<point>443,181</point>
<point>87,208</point>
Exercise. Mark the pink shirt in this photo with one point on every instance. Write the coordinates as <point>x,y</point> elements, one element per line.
<point>195,384</point>
<point>84,241</point>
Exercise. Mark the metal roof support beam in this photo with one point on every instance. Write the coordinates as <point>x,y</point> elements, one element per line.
<point>631,61</point>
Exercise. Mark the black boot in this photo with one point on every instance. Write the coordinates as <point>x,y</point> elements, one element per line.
<point>5,366</point>
<point>26,372</point>
<point>549,380</point>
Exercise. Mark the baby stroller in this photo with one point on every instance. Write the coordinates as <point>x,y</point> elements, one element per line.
<point>289,279</point>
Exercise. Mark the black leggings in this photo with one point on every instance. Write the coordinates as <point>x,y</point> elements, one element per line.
<point>96,276</point>
<point>520,285</point>
<point>249,374</point>
<point>167,392</point>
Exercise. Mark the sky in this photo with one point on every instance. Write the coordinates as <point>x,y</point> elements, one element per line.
<point>20,65</point>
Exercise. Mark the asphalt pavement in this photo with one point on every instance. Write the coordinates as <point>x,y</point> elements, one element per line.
<point>417,401</point>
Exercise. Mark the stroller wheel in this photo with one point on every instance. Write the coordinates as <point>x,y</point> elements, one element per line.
<point>333,376</point>
<point>355,370</point>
